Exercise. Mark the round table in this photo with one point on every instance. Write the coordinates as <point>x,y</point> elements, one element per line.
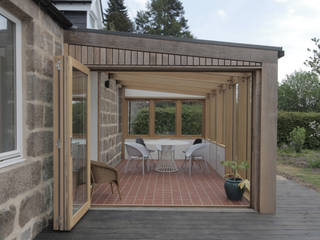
<point>166,165</point>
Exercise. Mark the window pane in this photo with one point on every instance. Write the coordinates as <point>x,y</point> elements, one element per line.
<point>138,117</point>
<point>165,117</point>
<point>192,117</point>
<point>79,139</point>
<point>7,86</point>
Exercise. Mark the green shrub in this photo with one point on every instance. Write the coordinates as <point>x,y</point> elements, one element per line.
<point>314,163</point>
<point>140,124</point>
<point>297,138</point>
<point>310,121</point>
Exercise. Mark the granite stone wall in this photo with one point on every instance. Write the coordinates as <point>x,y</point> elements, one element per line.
<point>110,130</point>
<point>26,189</point>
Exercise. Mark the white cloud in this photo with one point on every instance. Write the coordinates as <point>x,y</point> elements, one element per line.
<point>221,13</point>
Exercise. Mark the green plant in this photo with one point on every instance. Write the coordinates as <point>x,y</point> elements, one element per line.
<point>314,163</point>
<point>235,167</point>
<point>297,138</point>
<point>310,121</point>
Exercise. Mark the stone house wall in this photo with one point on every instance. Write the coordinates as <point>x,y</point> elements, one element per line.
<point>26,188</point>
<point>110,130</point>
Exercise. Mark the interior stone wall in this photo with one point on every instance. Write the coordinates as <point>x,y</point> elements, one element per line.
<point>26,189</point>
<point>110,135</point>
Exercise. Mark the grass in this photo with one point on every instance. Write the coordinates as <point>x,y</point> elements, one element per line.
<point>302,167</point>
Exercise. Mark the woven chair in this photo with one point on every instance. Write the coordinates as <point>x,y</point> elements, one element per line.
<point>195,152</point>
<point>139,152</point>
<point>102,173</point>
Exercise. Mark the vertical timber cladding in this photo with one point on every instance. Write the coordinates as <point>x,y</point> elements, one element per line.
<point>230,120</point>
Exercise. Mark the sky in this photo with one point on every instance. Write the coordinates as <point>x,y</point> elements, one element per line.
<point>283,23</point>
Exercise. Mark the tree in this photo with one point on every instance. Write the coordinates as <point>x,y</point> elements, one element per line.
<point>116,17</point>
<point>300,92</point>
<point>163,17</point>
<point>314,61</point>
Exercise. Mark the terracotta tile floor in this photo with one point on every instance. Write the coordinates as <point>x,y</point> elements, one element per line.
<point>165,189</point>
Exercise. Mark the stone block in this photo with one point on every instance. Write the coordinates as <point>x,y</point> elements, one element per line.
<point>58,48</point>
<point>18,180</point>
<point>34,116</point>
<point>39,89</point>
<point>33,60</point>
<point>47,67</point>
<point>39,143</point>
<point>48,117</point>
<point>47,169</point>
<point>30,207</point>
<point>7,217</point>
<point>26,235</point>
<point>39,226</point>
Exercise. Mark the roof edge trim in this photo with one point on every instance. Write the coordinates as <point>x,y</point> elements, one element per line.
<point>189,40</point>
<point>54,13</point>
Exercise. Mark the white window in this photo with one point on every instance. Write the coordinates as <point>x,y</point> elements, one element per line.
<point>10,90</point>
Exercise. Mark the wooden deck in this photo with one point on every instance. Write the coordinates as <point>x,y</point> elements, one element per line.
<point>298,217</point>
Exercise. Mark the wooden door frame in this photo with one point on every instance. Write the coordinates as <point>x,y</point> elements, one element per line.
<point>64,219</point>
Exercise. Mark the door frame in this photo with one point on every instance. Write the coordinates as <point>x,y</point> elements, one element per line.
<point>64,219</point>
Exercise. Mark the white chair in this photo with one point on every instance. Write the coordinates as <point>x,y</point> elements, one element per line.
<point>195,152</point>
<point>137,151</point>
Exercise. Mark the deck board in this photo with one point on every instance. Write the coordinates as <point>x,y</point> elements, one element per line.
<point>297,218</point>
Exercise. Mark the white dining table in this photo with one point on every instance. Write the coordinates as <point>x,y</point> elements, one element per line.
<point>166,164</point>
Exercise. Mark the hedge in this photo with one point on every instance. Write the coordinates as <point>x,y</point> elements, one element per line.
<point>287,121</point>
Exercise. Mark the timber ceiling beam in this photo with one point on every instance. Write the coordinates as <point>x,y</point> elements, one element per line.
<point>165,89</point>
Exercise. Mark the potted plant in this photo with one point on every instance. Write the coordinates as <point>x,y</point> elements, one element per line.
<point>235,185</point>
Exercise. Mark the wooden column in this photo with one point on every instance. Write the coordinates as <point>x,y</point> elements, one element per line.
<point>256,128</point>
<point>219,117</point>
<point>125,130</point>
<point>207,117</point>
<point>242,124</point>
<point>229,122</point>
<point>151,118</point>
<point>268,136</point>
<point>213,122</point>
<point>178,118</point>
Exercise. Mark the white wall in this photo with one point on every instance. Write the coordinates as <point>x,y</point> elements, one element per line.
<point>94,16</point>
<point>215,154</point>
<point>94,116</point>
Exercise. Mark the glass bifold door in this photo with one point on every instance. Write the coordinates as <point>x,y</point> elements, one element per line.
<point>71,142</point>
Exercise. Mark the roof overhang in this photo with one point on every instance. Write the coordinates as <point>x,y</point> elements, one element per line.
<point>54,13</point>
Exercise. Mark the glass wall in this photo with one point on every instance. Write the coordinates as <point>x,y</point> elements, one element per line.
<point>192,117</point>
<point>165,117</point>
<point>8,104</point>
<point>138,117</point>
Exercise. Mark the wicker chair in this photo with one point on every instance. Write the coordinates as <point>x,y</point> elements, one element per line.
<point>195,152</point>
<point>102,173</point>
<point>139,152</point>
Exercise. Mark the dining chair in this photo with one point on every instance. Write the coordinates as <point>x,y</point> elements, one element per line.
<point>139,152</point>
<point>141,141</point>
<point>195,153</point>
<point>103,173</point>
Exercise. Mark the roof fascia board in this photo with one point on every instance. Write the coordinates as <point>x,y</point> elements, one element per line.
<point>54,13</point>
<point>200,48</point>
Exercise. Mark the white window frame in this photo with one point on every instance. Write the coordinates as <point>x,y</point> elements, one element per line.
<point>15,156</point>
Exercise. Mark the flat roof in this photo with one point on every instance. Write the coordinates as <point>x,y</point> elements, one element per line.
<point>190,40</point>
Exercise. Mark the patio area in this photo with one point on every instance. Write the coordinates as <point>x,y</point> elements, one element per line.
<point>202,189</point>
<point>298,217</point>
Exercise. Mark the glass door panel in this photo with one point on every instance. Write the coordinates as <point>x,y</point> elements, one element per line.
<point>71,137</point>
<point>79,139</point>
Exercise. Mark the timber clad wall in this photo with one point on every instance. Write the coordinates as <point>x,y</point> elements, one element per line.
<point>113,56</point>
<point>109,129</point>
<point>26,188</point>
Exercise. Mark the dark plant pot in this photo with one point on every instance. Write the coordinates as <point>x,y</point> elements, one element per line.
<point>233,191</point>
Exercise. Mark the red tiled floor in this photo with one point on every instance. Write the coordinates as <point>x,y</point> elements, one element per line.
<point>166,189</point>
